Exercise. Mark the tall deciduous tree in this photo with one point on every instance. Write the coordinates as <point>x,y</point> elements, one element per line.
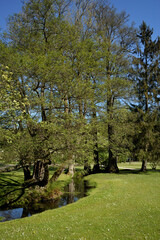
<point>115,39</point>
<point>52,72</point>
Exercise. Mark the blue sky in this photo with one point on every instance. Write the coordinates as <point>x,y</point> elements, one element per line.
<point>139,10</point>
<point>8,7</point>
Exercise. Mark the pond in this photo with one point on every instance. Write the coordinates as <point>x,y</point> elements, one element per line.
<point>72,192</point>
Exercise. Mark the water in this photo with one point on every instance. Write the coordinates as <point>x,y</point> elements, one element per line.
<point>73,192</point>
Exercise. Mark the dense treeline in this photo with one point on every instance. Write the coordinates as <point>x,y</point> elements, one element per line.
<point>79,84</point>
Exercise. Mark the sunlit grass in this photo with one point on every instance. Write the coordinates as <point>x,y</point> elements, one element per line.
<point>134,165</point>
<point>123,206</point>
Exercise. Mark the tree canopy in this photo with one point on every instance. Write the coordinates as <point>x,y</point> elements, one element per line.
<point>78,84</point>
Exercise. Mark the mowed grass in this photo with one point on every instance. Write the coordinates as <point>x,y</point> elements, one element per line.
<point>121,207</point>
<point>135,165</point>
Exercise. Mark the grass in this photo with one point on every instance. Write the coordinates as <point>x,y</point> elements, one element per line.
<point>121,207</point>
<point>9,182</point>
<point>134,165</point>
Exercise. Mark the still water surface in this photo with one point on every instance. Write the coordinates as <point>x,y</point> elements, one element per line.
<point>73,192</point>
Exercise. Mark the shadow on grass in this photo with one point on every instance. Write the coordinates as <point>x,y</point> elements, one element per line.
<point>8,181</point>
<point>11,189</point>
<point>129,171</point>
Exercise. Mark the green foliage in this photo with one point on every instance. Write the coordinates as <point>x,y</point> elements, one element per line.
<point>64,82</point>
<point>146,88</point>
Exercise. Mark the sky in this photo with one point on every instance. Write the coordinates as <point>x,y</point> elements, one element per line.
<point>139,10</point>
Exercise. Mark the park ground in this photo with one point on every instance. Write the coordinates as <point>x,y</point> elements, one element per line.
<point>122,206</point>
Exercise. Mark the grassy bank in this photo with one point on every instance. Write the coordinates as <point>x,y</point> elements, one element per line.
<point>123,206</point>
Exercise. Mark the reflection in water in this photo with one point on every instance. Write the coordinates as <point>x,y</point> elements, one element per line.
<point>11,214</point>
<point>73,192</point>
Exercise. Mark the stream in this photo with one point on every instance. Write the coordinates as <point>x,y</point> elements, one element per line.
<point>72,192</point>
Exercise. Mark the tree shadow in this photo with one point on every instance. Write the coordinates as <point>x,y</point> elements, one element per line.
<point>129,171</point>
<point>11,190</point>
<point>9,182</point>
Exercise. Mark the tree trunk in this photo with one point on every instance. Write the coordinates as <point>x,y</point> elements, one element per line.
<point>43,112</point>
<point>96,168</point>
<point>112,161</point>
<point>144,166</point>
<point>82,114</point>
<point>80,108</point>
<point>112,164</point>
<point>57,173</point>
<point>27,173</point>
<point>71,169</point>
<point>66,104</point>
<point>144,162</point>
<point>87,167</point>
<point>41,173</point>
<point>45,179</point>
<point>37,171</point>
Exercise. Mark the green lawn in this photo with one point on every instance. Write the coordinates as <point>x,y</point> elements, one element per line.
<point>134,165</point>
<point>121,207</point>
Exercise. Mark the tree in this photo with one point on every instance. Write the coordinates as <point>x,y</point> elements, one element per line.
<point>70,77</point>
<point>52,72</point>
<point>34,24</point>
<point>116,40</point>
<point>146,88</point>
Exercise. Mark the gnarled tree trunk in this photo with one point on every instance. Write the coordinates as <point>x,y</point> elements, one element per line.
<point>41,173</point>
